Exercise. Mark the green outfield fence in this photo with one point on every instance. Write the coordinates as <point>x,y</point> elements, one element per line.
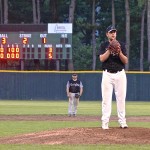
<point>51,85</point>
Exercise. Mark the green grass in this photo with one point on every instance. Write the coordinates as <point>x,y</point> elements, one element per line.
<point>93,108</point>
<point>8,128</point>
<point>32,107</point>
<point>75,147</point>
<point>60,107</point>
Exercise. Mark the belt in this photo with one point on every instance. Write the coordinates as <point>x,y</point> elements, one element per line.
<point>112,71</point>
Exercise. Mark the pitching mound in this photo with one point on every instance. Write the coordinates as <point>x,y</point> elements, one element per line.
<point>93,135</point>
<point>83,136</point>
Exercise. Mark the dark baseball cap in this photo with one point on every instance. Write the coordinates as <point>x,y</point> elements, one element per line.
<point>74,74</point>
<point>111,28</point>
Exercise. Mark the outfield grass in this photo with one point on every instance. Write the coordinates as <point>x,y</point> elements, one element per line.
<point>9,128</point>
<point>61,107</point>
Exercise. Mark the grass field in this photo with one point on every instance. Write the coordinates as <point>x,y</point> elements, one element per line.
<point>93,108</point>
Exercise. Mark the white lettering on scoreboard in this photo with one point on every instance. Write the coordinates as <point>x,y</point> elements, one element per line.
<point>60,28</point>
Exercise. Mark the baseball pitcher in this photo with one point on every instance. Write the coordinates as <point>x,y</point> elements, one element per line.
<point>112,54</point>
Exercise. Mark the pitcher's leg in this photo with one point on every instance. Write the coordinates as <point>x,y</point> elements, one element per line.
<point>120,92</point>
<point>107,89</point>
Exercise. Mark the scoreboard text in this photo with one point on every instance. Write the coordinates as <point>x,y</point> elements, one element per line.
<point>35,45</point>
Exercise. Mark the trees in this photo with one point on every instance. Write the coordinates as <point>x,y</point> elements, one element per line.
<point>5,11</point>
<point>113,13</point>
<point>127,10</point>
<point>148,30</point>
<point>143,5</point>
<point>71,20</point>
<point>93,36</point>
<point>89,17</point>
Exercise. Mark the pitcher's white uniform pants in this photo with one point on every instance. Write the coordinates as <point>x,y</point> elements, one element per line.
<point>118,82</point>
<point>73,104</point>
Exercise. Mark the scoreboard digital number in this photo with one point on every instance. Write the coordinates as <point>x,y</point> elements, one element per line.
<point>56,43</point>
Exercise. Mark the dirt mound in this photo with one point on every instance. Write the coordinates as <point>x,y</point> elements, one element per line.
<point>83,136</point>
<point>95,135</point>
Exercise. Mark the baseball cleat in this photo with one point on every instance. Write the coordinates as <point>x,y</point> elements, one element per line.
<point>123,125</point>
<point>105,126</point>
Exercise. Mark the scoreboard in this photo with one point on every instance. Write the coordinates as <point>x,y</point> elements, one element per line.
<point>55,42</point>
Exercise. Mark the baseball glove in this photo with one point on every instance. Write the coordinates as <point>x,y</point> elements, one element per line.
<point>77,95</point>
<point>114,47</point>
